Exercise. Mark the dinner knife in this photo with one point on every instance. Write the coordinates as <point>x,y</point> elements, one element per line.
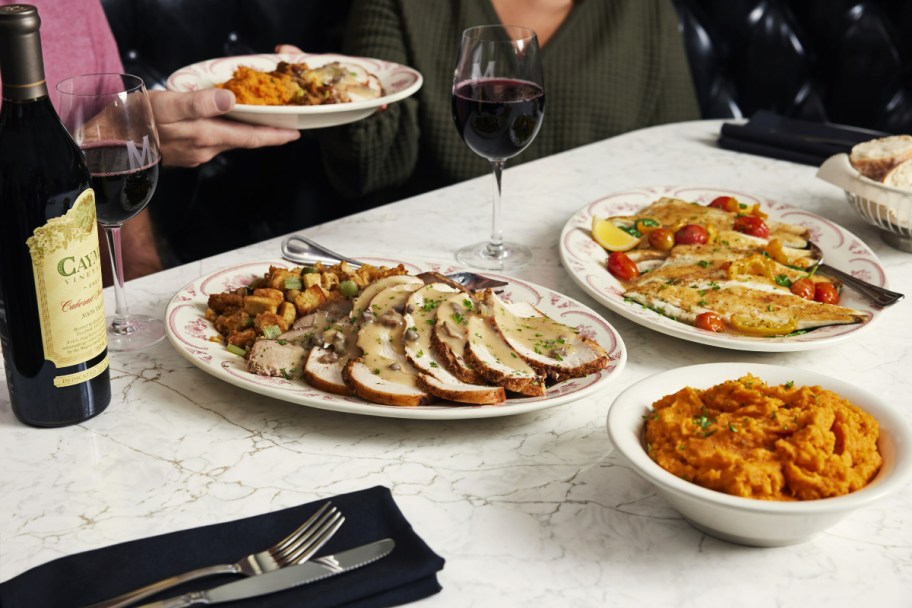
<point>284,578</point>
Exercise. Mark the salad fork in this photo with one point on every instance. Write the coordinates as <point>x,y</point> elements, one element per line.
<point>302,250</point>
<point>295,548</point>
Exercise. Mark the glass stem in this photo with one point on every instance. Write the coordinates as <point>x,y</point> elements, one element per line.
<point>119,324</point>
<point>495,247</point>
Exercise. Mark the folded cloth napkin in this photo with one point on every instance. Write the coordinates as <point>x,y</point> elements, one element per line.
<point>407,574</point>
<point>792,139</point>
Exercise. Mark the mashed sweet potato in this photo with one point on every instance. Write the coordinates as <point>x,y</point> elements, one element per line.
<point>747,438</point>
<point>262,88</point>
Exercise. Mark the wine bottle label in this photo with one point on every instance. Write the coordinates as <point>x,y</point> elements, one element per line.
<point>67,269</point>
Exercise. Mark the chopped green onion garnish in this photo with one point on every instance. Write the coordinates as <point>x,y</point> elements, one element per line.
<point>349,288</point>
<point>240,351</point>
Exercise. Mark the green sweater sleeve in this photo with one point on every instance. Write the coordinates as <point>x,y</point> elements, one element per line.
<point>378,152</point>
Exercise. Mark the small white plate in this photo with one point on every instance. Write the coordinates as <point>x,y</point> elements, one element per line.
<point>189,332</point>
<point>585,260</point>
<point>398,83</point>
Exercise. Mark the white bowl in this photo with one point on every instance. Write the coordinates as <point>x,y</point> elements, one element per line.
<point>887,208</point>
<point>744,520</point>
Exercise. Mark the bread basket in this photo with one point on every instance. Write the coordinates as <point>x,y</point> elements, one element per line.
<point>887,208</point>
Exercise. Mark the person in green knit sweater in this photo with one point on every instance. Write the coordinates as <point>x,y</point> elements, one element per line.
<point>610,66</point>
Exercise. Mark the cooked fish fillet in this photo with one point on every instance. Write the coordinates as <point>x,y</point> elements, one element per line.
<point>675,212</point>
<point>685,295</point>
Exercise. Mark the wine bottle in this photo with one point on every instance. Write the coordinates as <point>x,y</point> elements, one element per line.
<point>52,318</point>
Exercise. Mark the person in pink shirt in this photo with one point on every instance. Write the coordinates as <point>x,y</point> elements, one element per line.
<point>77,39</point>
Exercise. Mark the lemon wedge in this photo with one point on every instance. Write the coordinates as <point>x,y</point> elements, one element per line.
<point>612,238</point>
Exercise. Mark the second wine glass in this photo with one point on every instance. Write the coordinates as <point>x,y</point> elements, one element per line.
<point>110,117</point>
<point>498,105</point>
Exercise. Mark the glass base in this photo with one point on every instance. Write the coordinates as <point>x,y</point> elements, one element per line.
<point>134,332</point>
<point>508,256</point>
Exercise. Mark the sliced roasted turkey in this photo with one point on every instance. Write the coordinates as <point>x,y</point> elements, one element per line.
<point>449,339</point>
<point>491,356</point>
<point>422,311</point>
<point>383,374</point>
<point>552,348</point>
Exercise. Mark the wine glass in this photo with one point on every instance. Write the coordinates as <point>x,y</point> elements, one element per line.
<point>498,104</point>
<point>110,117</point>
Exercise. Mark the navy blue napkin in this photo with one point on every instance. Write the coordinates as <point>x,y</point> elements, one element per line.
<point>799,141</point>
<point>407,574</point>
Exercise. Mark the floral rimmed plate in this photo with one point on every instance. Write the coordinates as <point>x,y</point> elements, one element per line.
<point>190,333</point>
<point>585,260</point>
<point>398,82</point>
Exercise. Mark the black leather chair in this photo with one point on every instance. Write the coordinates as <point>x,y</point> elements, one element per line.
<point>846,61</point>
<point>843,61</point>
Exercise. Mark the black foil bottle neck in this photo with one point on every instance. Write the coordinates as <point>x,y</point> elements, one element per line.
<point>21,62</point>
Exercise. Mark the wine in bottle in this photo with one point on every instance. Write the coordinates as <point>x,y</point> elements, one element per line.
<point>52,317</point>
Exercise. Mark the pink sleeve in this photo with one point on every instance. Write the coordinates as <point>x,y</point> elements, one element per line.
<point>75,39</point>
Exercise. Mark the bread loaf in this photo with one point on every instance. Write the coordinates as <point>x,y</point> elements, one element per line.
<point>900,176</point>
<point>875,158</point>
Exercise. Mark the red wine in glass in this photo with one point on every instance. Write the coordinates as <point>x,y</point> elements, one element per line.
<point>498,117</point>
<point>498,104</point>
<point>119,194</point>
<point>110,118</point>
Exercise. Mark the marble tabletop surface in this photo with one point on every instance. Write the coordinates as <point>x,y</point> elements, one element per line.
<point>534,509</point>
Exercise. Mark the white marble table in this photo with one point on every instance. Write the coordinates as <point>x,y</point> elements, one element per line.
<point>527,510</point>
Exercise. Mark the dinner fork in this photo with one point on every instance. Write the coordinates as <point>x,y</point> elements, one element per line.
<point>295,548</point>
<point>873,293</point>
<point>302,250</point>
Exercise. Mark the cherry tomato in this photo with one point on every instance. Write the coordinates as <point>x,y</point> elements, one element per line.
<point>826,293</point>
<point>691,234</point>
<point>752,225</point>
<point>710,321</point>
<point>803,288</point>
<point>756,326</point>
<point>726,203</point>
<point>662,239</point>
<point>622,267</point>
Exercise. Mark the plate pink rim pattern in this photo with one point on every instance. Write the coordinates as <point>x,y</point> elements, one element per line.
<point>398,81</point>
<point>585,260</point>
<point>190,333</point>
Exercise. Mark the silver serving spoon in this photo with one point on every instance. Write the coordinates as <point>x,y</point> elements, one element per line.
<point>302,250</point>
<point>877,295</point>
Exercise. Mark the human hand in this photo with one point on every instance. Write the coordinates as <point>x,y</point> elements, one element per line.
<point>192,133</point>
